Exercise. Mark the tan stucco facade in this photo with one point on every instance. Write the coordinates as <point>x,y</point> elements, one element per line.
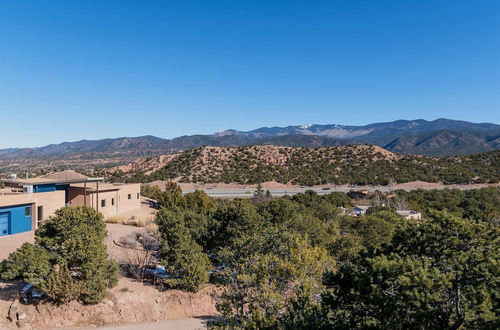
<point>48,201</point>
<point>112,199</point>
<point>109,199</point>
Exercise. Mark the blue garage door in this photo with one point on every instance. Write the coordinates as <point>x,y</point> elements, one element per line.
<point>4,224</point>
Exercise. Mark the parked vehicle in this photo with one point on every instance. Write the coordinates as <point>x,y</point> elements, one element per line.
<point>158,272</point>
<point>29,294</point>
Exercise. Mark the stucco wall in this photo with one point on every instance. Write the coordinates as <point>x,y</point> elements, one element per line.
<point>76,197</point>
<point>109,210</point>
<point>120,195</point>
<point>129,204</point>
<point>51,201</point>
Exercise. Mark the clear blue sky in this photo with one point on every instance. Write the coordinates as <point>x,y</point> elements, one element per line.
<point>91,69</point>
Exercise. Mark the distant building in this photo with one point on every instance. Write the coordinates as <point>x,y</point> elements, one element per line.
<point>408,214</point>
<point>360,210</point>
<point>26,203</point>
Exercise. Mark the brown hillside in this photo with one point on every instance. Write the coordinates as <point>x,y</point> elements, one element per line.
<point>354,164</point>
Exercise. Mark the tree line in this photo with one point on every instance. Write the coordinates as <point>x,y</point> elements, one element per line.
<point>299,263</point>
<point>296,262</point>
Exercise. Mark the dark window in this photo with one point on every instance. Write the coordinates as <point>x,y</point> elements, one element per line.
<point>138,195</point>
<point>27,211</point>
<point>112,201</point>
<point>129,196</point>
<point>103,203</point>
<point>39,213</point>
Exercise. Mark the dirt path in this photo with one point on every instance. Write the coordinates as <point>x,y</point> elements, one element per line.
<point>184,324</point>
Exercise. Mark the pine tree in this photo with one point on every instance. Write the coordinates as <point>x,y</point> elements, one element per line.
<point>182,257</point>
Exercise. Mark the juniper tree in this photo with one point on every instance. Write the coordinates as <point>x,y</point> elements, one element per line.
<point>182,257</point>
<point>71,242</point>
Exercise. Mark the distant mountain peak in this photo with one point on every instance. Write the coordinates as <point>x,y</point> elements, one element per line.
<point>404,136</point>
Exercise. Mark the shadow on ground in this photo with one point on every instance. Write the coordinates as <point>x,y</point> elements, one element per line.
<point>207,319</point>
<point>9,290</point>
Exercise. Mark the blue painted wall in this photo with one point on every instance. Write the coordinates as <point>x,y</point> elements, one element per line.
<point>18,221</point>
<point>44,188</point>
<point>62,187</point>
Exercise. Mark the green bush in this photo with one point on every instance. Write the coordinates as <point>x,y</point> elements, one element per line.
<point>69,260</point>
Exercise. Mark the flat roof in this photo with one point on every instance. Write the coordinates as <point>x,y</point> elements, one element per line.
<point>42,181</point>
<point>102,187</point>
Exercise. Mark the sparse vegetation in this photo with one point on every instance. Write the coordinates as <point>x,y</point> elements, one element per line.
<point>361,165</point>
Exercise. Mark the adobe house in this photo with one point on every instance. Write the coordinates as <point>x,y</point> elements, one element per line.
<point>109,199</point>
<point>26,203</point>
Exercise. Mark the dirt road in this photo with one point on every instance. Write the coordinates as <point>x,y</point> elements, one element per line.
<point>184,324</point>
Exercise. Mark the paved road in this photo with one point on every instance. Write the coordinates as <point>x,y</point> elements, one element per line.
<point>292,191</point>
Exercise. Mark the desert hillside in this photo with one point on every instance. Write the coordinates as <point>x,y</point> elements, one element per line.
<point>355,164</point>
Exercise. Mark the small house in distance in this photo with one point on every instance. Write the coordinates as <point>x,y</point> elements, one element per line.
<point>26,203</point>
<point>408,214</point>
<point>360,210</point>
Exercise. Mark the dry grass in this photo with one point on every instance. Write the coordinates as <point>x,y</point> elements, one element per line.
<point>132,221</point>
<point>135,222</point>
<point>115,219</point>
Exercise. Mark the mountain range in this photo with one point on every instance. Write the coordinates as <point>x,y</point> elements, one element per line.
<point>441,137</point>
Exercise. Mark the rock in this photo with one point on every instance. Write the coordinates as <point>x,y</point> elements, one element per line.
<point>22,316</point>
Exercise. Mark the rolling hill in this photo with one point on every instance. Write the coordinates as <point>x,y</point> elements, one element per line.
<point>355,164</point>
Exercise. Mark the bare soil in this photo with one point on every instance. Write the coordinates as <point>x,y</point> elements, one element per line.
<point>130,302</point>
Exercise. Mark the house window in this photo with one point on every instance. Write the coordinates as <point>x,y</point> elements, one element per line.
<point>112,201</point>
<point>27,211</point>
<point>129,196</point>
<point>138,195</point>
<point>103,203</point>
<point>39,213</point>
